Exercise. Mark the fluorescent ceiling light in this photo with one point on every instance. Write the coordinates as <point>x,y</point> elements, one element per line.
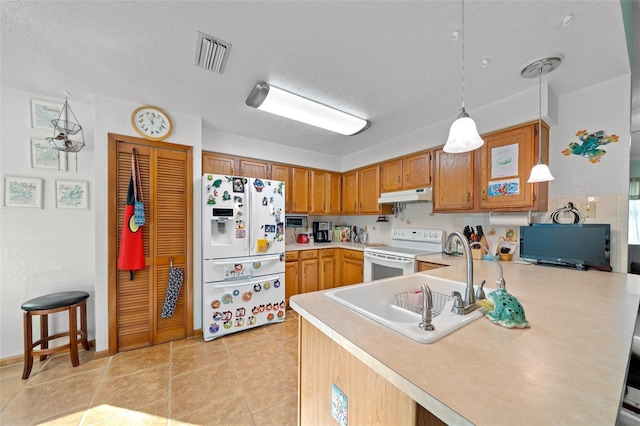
<point>272,99</point>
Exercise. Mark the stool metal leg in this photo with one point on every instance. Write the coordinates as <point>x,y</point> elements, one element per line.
<point>28,345</point>
<point>44,333</point>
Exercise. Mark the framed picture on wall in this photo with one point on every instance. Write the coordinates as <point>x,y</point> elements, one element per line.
<point>45,157</point>
<point>71,194</point>
<point>22,192</point>
<point>42,112</point>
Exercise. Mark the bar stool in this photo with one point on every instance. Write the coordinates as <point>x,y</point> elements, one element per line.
<point>50,304</point>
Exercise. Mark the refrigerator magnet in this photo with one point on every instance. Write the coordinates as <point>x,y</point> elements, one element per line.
<point>227,324</point>
<point>240,312</point>
<point>258,185</point>
<point>226,298</point>
<point>241,233</point>
<point>251,320</point>
<point>238,184</point>
<point>246,297</point>
<point>267,285</point>
<point>226,196</point>
<point>213,328</point>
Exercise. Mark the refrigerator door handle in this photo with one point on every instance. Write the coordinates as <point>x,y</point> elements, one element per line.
<point>232,284</point>
<point>265,259</point>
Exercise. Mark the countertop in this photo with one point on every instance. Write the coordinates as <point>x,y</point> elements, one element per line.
<point>331,244</point>
<point>568,368</point>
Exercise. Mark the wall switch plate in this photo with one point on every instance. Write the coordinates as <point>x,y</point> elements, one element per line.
<point>588,209</point>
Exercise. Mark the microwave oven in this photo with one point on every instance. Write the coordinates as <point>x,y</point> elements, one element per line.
<point>295,221</point>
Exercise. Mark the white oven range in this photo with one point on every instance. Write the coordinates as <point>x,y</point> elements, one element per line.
<point>399,258</point>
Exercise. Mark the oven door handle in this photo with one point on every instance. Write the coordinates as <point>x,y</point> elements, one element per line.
<point>388,257</point>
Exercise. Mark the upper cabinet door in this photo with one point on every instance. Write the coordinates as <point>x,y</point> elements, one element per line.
<point>218,164</point>
<point>254,169</point>
<point>453,177</point>
<point>350,192</point>
<point>506,160</point>
<point>391,175</point>
<point>282,172</point>
<point>333,191</point>
<point>369,189</point>
<point>317,196</point>
<point>417,170</point>
<point>299,190</point>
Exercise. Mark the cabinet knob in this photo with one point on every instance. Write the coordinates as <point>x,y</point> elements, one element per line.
<point>483,196</point>
<point>468,196</point>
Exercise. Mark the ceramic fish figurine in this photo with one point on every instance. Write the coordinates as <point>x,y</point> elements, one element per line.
<point>507,310</point>
<point>590,143</point>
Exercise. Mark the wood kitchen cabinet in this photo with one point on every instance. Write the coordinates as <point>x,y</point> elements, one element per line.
<point>308,271</point>
<point>334,186</point>
<point>506,160</point>
<point>352,267</point>
<point>327,269</point>
<point>324,192</point>
<point>282,172</point>
<point>350,192</point>
<point>481,180</point>
<point>254,168</point>
<point>219,164</point>
<point>453,181</point>
<point>371,398</point>
<point>361,190</point>
<point>408,172</point>
<point>299,190</point>
<point>317,191</point>
<point>427,266</point>
<point>291,275</point>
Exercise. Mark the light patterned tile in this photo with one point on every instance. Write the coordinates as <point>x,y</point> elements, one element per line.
<point>60,366</point>
<point>282,414</point>
<point>245,337</point>
<point>285,330</point>
<point>152,415</point>
<point>48,399</point>
<point>223,409</point>
<point>255,353</point>
<point>134,390</point>
<point>138,359</point>
<point>196,356</point>
<point>269,384</point>
<point>193,390</point>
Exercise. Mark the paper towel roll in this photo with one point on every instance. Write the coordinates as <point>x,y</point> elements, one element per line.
<point>510,219</point>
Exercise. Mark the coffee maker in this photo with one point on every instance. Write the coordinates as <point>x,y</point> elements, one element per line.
<point>321,231</point>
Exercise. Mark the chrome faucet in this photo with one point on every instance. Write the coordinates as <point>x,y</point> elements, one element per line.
<point>500,283</point>
<point>469,297</point>
<point>427,307</point>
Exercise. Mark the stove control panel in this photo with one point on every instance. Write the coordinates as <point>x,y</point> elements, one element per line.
<point>418,234</point>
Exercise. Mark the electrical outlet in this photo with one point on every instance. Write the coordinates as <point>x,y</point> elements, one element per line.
<point>588,209</point>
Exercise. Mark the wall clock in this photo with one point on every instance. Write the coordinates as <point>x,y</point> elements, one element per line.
<point>151,123</point>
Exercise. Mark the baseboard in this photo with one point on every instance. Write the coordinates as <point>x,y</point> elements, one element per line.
<point>20,358</point>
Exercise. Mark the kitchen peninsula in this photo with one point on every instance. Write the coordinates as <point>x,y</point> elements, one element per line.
<point>568,368</point>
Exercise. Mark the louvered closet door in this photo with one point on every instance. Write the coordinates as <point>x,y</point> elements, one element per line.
<point>167,237</point>
<point>171,238</point>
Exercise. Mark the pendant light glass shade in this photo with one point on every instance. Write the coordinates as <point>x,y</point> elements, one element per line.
<point>540,172</point>
<point>463,135</point>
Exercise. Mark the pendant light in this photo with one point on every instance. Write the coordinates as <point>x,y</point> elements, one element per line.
<point>463,134</point>
<point>540,172</point>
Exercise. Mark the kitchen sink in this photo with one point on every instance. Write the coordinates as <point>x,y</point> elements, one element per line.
<point>397,304</point>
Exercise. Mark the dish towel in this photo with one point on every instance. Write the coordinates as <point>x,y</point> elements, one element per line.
<point>176,276</point>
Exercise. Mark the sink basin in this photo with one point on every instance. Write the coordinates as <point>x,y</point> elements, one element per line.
<point>397,303</point>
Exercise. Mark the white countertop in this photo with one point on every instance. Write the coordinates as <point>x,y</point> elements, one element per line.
<point>568,368</point>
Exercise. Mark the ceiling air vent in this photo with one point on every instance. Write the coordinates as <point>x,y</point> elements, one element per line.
<point>211,53</point>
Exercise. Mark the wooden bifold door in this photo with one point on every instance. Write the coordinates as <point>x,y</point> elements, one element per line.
<point>135,306</point>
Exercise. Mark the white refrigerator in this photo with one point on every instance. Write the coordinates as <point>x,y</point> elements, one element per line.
<point>243,254</point>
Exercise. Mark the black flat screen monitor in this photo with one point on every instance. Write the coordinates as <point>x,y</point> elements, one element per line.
<point>579,246</point>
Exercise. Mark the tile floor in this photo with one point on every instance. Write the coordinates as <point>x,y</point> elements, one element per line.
<point>247,378</point>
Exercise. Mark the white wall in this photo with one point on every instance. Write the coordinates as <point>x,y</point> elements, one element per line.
<point>43,250</point>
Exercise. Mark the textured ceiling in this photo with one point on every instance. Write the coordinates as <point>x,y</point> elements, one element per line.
<point>393,63</point>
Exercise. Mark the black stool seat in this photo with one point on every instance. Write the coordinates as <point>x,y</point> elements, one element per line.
<point>43,306</point>
<point>55,300</point>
